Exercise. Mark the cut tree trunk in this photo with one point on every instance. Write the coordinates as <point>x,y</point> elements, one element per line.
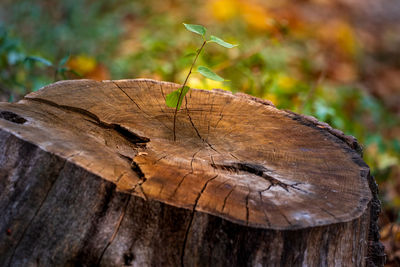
<point>90,175</point>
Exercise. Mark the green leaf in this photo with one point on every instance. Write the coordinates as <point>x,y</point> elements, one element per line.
<point>63,61</point>
<point>172,98</point>
<point>11,98</point>
<point>215,39</point>
<point>206,72</point>
<point>39,59</point>
<point>195,28</point>
<point>62,70</point>
<point>75,73</point>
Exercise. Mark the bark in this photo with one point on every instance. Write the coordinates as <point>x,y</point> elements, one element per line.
<point>90,175</point>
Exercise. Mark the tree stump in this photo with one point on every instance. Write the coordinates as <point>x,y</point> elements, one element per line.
<point>90,175</point>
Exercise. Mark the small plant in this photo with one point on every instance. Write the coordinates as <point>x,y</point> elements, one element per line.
<point>21,72</point>
<point>175,98</point>
<point>58,69</point>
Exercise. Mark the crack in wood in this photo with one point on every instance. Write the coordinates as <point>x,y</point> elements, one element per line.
<point>284,216</point>
<point>134,166</point>
<point>212,161</point>
<point>119,222</point>
<point>130,98</point>
<point>294,186</point>
<point>277,208</point>
<point>162,91</point>
<point>220,118</point>
<point>73,155</point>
<point>197,131</point>
<point>252,168</point>
<point>139,184</point>
<point>128,135</point>
<point>137,105</point>
<point>268,210</point>
<point>221,115</point>
<point>263,210</point>
<point>209,120</point>
<point>208,131</point>
<point>226,197</point>
<point>191,218</point>
<point>12,117</point>
<point>161,105</point>
<point>68,108</point>
<point>119,177</point>
<point>266,189</point>
<point>233,156</point>
<point>36,213</point>
<point>192,123</point>
<point>179,184</point>
<point>328,212</point>
<point>191,172</point>
<point>247,206</point>
<point>159,159</point>
<point>191,161</point>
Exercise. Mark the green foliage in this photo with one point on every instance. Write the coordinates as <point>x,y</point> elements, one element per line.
<point>221,42</point>
<point>141,39</point>
<point>39,59</point>
<point>199,29</point>
<point>206,72</point>
<point>174,100</point>
<point>55,28</point>
<point>17,69</point>
<point>21,73</point>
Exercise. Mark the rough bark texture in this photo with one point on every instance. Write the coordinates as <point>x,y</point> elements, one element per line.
<point>90,175</point>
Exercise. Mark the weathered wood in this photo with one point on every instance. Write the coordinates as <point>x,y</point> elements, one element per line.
<point>90,174</point>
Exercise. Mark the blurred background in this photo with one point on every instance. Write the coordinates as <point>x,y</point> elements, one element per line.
<point>337,60</point>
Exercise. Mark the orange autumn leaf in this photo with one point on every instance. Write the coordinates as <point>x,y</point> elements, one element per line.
<point>340,34</point>
<point>82,64</point>
<point>88,67</point>
<point>99,73</point>
<point>224,9</point>
<point>256,16</point>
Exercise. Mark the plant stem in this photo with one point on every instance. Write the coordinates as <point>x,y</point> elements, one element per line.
<point>184,84</point>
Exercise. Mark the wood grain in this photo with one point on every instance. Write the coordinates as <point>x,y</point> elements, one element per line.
<point>236,159</point>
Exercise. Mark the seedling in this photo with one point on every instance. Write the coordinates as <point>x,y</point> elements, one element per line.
<point>175,98</point>
<point>59,69</point>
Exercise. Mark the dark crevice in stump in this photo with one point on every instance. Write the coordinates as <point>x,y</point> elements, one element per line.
<point>90,175</point>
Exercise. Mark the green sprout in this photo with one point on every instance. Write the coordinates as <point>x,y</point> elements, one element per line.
<point>59,69</point>
<point>175,98</point>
